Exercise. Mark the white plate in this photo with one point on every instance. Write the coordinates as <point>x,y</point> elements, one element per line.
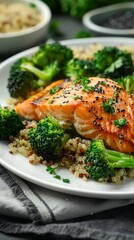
<point>37,174</point>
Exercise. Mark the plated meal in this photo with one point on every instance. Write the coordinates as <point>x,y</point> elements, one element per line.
<point>72,108</point>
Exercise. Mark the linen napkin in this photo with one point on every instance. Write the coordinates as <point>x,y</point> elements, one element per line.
<point>28,208</point>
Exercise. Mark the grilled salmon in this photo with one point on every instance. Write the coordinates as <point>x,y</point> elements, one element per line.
<point>98,109</point>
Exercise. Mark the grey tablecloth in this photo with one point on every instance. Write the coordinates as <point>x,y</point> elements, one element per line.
<point>26,208</point>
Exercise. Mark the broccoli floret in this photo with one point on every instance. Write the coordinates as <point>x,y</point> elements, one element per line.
<point>50,53</point>
<point>21,81</point>
<point>38,71</point>
<point>77,8</point>
<point>83,34</point>
<point>10,123</point>
<point>77,68</point>
<point>102,162</point>
<point>127,83</point>
<point>48,139</point>
<point>113,63</point>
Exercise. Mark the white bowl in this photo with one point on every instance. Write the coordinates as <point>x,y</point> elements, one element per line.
<point>92,20</point>
<point>17,41</point>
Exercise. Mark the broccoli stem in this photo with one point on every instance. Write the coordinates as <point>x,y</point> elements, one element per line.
<point>65,138</point>
<point>46,75</point>
<point>120,160</point>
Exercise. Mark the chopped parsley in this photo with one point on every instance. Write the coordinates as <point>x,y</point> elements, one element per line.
<point>54,90</point>
<point>75,97</point>
<point>54,29</point>
<point>120,122</point>
<point>102,83</point>
<point>57,177</point>
<point>66,180</point>
<point>116,94</point>
<point>76,81</point>
<point>32,5</point>
<point>51,101</point>
<point>107,106</point>
<point>84,82</point>
<point>53,171</point>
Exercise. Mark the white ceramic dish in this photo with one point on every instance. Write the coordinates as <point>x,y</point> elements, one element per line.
<point>18,41</point>
<point>92,20</point>
<point>37,174</point>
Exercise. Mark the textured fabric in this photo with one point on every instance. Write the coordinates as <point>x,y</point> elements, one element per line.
<point>26,208</point>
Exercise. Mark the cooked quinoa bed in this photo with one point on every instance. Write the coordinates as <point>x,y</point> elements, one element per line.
<point>73,155</point>
<point>74,150</point>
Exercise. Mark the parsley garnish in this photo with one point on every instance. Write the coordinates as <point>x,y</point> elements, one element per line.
<point>54,29</point>
<point>66,180</point>
<point>57,177</point>
<point>76,81</point>
<point>120,122</point>
<point>107,106</point>
<point>75,97</point>
<point>54,90</point>
<point>116,94</point>
<point>52,170</point>
<point>51,101</point>
<point>32,5</point>
<point>102,83</point>
<point>84,82</point>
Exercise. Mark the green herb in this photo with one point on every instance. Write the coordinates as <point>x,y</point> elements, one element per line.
<point>116,94</point>
<point>52,170</point>
<point>54,29</point>
<point>54,90</point>
<point>51,101</point>
<point>107,106</point>
<point>116,65</point>
<point>75,97</point>
<point>66,180</point>
<point>57,177</point>
<point>120,122</point>
<point>83,34</point>
<point>85,81</point>
<point>102,83</point>
<point>32,5</point>
<point>76,81</point>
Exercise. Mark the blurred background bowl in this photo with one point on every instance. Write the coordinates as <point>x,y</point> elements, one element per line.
<point>97,20</point>
<point>17,41</point>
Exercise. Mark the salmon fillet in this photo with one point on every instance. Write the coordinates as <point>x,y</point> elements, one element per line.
<point>91,110</point>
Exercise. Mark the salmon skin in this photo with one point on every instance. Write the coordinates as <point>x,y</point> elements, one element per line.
<point>91,110</point>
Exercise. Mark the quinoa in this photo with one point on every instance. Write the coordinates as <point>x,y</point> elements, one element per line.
<point>21,145</point>
<point>73,157</point>
<point>15,17</point>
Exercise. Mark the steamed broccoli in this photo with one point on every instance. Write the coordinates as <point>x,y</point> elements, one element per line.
<point>79,7</point>
<point>113,63</point>
<point>127,83</point>
<point>102,162</point>
<point>77,68</point>
<point>21,81</point>
<point>38,71</point>
<point>10,123</point>
<point>48,138</point>
<point>52,53</point>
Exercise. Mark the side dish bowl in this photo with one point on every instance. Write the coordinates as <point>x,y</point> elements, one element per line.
<point>94,20</point>
<point>12,42</point>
